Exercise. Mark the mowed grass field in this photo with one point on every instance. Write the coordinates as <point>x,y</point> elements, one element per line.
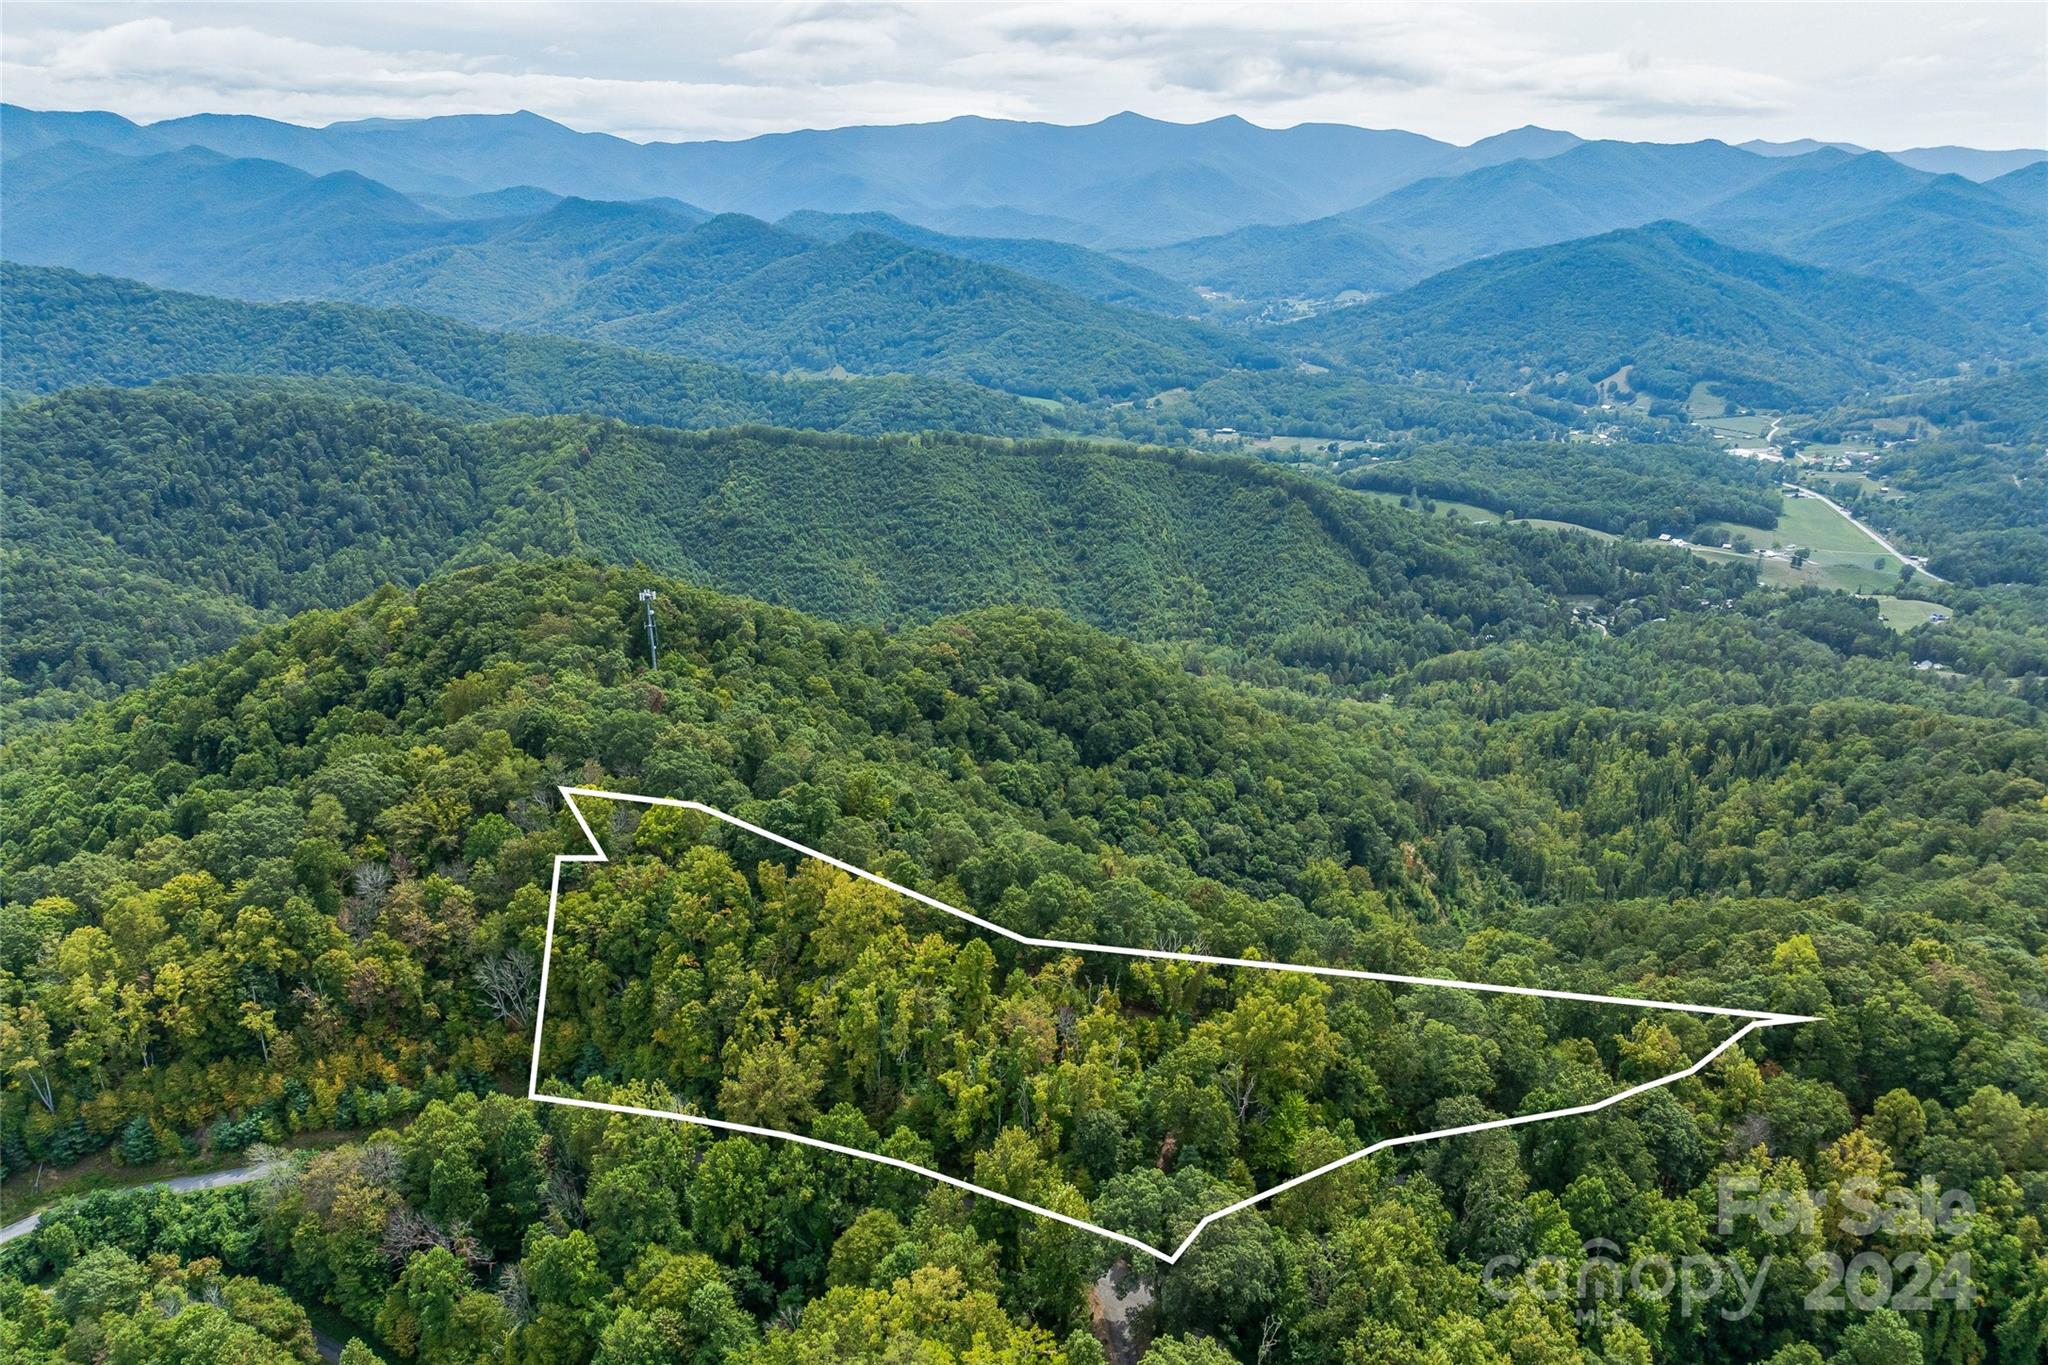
<point>1839,550</point>
<point>1468,511</point>
<point>1742,431</point>
<point>1838,554</point>
<point>1905,613</point>
<point>1548,524</point>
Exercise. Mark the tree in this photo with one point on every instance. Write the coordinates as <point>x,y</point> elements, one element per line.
<point>776,1086</point>
<point>1187,1350</point>
<point>570,1294</point>
<point>1882,1338</point>
<point>435,1313</point>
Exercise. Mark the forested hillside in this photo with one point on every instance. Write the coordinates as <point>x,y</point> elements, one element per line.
<point>1092,274</point>
<point>1673,304</point>
<point>2008,409</point>
<point>66,329</point>
<point>873,304</point>
<point>258,897</point>
<point>153,525</point>
<point>1963,244</point>
<point>1625,490</point>
<point>1302,402</point>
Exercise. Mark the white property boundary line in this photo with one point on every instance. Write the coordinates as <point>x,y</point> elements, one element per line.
<point>1757,1019</point>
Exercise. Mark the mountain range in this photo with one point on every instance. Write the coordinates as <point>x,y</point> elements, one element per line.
<point>1918,271</point>
<point>1983,247</point>
<point>1126,180</point>
<point>655,275</point>
<point>1972,163</point>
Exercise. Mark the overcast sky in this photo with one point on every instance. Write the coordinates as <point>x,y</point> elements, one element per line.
<point>1889,76</point>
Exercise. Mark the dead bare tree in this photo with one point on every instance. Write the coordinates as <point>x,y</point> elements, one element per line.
<point>372,881</point>
<point>407,1230</point>
<point>1241,1085</point>
<point>563,1196</point>
<point>506,983</point>
<point>513,1294</point>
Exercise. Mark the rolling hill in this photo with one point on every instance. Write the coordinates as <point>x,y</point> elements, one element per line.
<point>1666,300</point>
<point>66,329</point>
<point>238,505</point>
<point>1091,274</point>
<point>872,304</point>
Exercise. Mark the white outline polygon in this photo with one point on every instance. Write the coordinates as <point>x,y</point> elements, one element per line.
<point>1757,1019</point>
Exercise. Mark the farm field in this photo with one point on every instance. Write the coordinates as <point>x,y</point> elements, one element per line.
<point>1816,572</point>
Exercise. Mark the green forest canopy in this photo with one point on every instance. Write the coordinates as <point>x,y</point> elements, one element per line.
<point>152,525</point>
<point>262,894</point>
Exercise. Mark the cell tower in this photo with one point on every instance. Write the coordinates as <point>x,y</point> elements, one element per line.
<point>653,651</point>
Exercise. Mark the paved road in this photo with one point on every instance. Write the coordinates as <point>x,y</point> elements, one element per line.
<point>178,1184</point>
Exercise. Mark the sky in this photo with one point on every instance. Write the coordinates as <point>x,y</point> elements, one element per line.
<point>1887,76</point>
